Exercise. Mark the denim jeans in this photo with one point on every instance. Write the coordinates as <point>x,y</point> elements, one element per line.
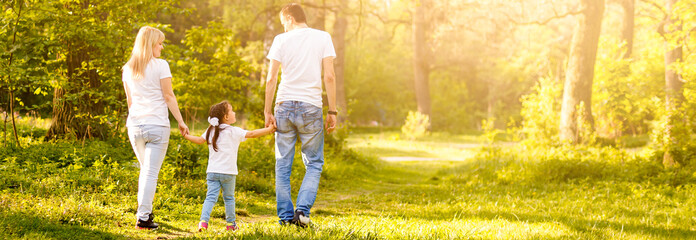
<point>216,181</point>
<point>303,121</point>
<point>149,143</point>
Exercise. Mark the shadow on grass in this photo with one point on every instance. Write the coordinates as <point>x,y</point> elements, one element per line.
<point>587,226</point>
<point>168,229</point>
<point>24,226</point>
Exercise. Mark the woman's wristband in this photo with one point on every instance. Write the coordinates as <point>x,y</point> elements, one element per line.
<point>333,112</point>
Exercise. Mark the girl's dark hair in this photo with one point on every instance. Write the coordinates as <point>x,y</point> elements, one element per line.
<point>294,10</point>
<point>219,111</point>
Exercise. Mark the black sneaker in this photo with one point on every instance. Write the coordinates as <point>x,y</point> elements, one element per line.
<point>149,224</point>
<point>300,219</point>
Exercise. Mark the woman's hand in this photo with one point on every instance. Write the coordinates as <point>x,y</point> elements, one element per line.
<point>183,129</point>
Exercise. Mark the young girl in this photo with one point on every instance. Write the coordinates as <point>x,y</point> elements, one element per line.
<point>223,141</point>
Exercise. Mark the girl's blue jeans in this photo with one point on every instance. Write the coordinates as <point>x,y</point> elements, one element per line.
<point>217,181</point>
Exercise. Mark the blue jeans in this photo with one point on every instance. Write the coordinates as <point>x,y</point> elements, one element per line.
<point>216,181</point>
<point>149,143</point>
<point>303,121</point>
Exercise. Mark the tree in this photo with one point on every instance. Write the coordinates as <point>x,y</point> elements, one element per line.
<point>339,39</point>
<point>320,18</point>
<point>68,105</point>
<point>8,75</point>
<point>92,40</point>
<point>674,95</point>
<point>210,70</point>
<point>576,110</point>
<point>421,63</point>
<point>627,30</point>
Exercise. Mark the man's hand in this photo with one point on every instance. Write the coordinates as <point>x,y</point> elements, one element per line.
<point>273,127</point>
<point>330,123</point>
<point>270,119</point>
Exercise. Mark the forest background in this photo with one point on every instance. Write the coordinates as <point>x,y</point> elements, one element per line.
<point>532,91</point>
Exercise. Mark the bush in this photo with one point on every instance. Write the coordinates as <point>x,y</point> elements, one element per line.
<point>66,153</point>
<point>540,112</point>
<point>257,156</point>
<point>185,159</point>
<point>416,126</point>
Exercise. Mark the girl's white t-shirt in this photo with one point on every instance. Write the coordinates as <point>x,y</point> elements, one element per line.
<point>147,101</point>
<point>225,159</point>
<point>300,53</point>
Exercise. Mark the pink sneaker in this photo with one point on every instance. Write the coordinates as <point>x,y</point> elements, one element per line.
<point>202,226</point>
<point>232,227</point>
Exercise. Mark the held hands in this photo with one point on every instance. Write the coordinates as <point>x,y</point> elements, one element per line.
<point>272,128</point>
<point>270,120</point>
<point>183,129</point>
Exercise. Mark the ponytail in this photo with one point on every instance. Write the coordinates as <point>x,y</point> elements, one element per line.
<point>216,134</point>
<point>218,111</point>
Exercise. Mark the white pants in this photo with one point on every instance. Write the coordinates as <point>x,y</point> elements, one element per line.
<point>150,146</point>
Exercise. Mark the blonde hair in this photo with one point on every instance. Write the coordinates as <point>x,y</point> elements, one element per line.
<point>142,53</point>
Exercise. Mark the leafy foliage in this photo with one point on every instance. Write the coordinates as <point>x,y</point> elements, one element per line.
<point>539,111</point>
<point>77,47</point>
<point>210,68</point>
<point>416,125</point>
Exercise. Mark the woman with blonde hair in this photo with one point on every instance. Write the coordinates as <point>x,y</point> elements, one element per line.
<point>147,81</point>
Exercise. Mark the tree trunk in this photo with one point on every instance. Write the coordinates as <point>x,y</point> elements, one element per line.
<point>74,116</point>
<point>492,97</point>
<point>577,90</point>
<point>320,20</point>
<point>14,125</point>
<point>339,39</point>
<point>673,87</point>
<point>62,115</point>
<point>4,121</point>
<point>268,36</point>
<point>421,68</point>
<point>628,26</point>
<point>10,89</point>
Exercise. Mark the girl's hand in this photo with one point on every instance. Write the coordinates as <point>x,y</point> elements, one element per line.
<point>270,119</point>
<point>183,129</point>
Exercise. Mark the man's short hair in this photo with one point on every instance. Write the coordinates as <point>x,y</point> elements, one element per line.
<point>295,11</point>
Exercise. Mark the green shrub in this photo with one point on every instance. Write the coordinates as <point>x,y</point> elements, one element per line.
<point>540,112</point>
<point>185,159</point>
<point>257,156</point>
<point>416,125</point>
<point>251,181</point>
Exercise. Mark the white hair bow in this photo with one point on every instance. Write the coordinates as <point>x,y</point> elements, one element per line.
<point>214,121</point>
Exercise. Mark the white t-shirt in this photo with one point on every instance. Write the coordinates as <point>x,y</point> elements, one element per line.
<point>225,159</point>
<point>300,53</point>
<point>147,101</point>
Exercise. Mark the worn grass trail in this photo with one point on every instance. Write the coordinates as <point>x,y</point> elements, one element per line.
<point>479,196</point>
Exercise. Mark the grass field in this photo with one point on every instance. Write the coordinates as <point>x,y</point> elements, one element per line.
<point>488,194</point>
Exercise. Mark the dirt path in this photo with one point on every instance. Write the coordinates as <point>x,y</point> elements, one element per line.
<point>411,159</point>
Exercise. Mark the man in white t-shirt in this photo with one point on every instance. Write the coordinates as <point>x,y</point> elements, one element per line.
<point>302,52</point>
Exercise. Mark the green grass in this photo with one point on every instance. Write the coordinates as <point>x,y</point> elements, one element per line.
<point>388,144</point>
<point>505,193</point>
